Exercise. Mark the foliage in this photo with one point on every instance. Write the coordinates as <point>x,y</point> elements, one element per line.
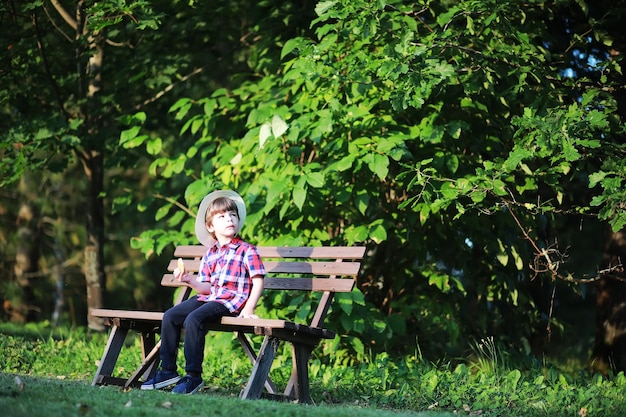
<point>42,51</point>
<point>51,130</point>
<point>444,135</point>
<point>436,133</point>
<point>485,383</point>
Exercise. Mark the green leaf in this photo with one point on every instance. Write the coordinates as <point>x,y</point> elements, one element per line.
<point>324,6</point>
<point>478,196</point>
<point>182,106</point>
<point>379,326</point>
<point>357,345</point>
<point>315,179</point>
<point>345,302</point>
<point>499,187</point>
<point>569,151</point>
<point>289,46</point>
<point>449,191</point>
<point>445,18</point>
<point>377,231</point>
<point>596,178</point>
<point>452,163</point>
<point>162,212</point>
<point>362,200</point>
<point>154,146</point>
<point>129,134</point>
<point>356,234</point>
<point>378,164</point>
<point>344,163</point>
<point>515,158</point>
<point>299,196</point>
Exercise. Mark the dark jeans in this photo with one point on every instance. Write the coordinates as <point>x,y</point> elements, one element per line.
<point>190,315</point>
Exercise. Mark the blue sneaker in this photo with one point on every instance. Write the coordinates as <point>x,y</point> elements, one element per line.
<point>188,385</point>
<point>162,379</point>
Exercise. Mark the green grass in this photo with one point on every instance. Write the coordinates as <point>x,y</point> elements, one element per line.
<point>57,367</point>
<point>62,398</point>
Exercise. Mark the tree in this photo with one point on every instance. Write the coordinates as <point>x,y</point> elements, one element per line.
<point>72,71</point>
<point>63,110</point>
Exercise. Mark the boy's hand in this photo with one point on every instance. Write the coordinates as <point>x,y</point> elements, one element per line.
<point>179,273</point>
<point>247,314</point>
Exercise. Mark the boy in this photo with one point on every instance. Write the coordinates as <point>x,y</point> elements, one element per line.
<point>229,282</point>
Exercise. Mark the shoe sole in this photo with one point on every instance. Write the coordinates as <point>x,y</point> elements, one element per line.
<point>162,384</point>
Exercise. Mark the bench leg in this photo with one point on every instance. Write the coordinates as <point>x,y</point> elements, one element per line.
<point>147,368</point>
<point>251,354</point>
<point>149,354</point>
<point>298,385</point>
<point>111,353</point>
<point>261,368</point>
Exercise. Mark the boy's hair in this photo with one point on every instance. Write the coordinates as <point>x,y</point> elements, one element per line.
<point>220,205</point>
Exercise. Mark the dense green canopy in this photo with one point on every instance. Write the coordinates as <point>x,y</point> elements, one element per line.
<point>476,147</point>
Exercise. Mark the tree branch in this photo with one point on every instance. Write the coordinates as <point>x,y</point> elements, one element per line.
<point>46,65</point>
<point>550,259</point>
<point>64,14</point>
<point>168,88</point>
<point>54,23</point>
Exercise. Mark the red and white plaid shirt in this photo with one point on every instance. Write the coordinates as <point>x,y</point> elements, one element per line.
<point>230,269</point>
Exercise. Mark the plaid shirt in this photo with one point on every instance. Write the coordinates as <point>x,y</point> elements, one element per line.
<point>230,269</point>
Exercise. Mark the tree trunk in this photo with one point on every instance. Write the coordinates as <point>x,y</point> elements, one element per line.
<point>609,351</point>
<point>59,275</point>
<point>92,156</point>
<point>94,250</point>
<point>23,307</point>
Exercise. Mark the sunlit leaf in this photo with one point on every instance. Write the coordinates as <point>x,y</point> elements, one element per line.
<point>278,126</point>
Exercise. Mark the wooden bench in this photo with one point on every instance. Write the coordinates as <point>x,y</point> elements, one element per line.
<point>323,269</point>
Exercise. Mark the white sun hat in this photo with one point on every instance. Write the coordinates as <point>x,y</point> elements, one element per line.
<point>202,233</point>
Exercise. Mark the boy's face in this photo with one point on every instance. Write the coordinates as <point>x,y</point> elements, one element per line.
<point>224,224</point>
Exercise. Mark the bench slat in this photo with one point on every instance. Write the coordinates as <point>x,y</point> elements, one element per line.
<point>156,316</point>
<point>319,252</point>
<point>302,284</point>
<point>273,267</point>
<point>260,325</point>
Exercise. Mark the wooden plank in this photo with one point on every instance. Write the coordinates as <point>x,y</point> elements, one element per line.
<point>302,284</point>
<point>299,381</point>
<point>261,369</point>
<point>309,284</point>
<point>111,380</point>
<point>330,252</point>
<point>251,354</point>
<point>153,316</point>
<point>282,329</point>
<point>322,309</point>
<point>308,335</point>
<point>111,353</point>
<point>241,322</point>
<point>278,267</point>
<point>228,323</point>
<point>319,252</point>
<point>147,368</point>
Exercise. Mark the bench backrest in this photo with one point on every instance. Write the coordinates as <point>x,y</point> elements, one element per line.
<point>327,269</point>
